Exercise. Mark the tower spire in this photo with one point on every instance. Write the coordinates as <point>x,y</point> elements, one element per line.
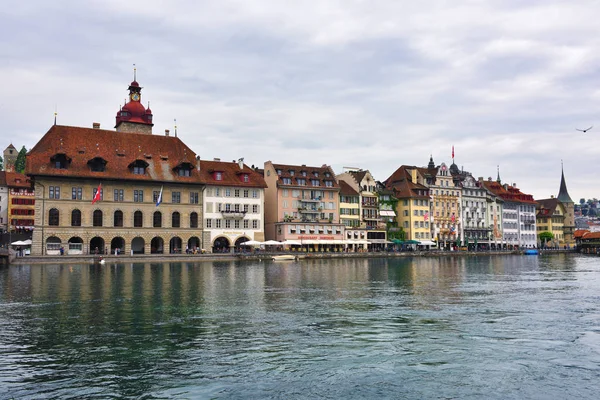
<point>134,73</point>
<point>175,122</point>
<point>563,193</point>
<point>55,114</point>
<point>498,178</point>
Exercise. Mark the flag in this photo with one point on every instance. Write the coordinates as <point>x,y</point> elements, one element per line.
<point>453,218</point>
<point>452,151</point>
<point>98,194</point>
<point>159,199</point>
<point>426,216</point>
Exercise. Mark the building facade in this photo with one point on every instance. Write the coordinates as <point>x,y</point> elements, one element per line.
<point>122,191</point>
<point>302,204</point>
<point>234,203</point>
<point>21,204</point>
<point>10,157</point>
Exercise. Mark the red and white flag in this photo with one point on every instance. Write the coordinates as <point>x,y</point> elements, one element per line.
<point>453,218</point>
<point>426,216</point>
<point>97,195</point>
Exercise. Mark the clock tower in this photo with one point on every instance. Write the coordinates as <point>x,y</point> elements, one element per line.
<point>133,116</point>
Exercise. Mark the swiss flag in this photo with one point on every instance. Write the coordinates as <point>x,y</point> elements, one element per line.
<point>97,195</point>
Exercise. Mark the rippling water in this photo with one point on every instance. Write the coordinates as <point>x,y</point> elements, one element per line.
<point>487,327</point>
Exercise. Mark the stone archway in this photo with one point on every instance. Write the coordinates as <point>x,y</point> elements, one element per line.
<point>175,245</point>
<point>117,245</point>
<point>238,243</point>
<point>137,245</point>
<point>97,245</point>
<point>53,246</point>
<point>193,244</point>
<point>157,245</point>
<point>75,245</point>
<point>221,245</point>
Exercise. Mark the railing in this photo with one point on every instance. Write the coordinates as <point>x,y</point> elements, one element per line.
<point>233,214</point>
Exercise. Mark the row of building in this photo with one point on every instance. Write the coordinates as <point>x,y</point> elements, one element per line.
<point>89,190</point>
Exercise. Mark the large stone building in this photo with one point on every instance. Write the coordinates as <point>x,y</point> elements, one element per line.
<point>234,202</point>
<point>150,189</point>
<point>10,157</point>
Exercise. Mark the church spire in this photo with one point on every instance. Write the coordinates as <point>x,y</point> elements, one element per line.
<point>498,178</point>
<point>431,163</point>
<point>563,194</point>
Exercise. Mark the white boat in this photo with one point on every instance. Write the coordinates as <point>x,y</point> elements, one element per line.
<point>284,257</point>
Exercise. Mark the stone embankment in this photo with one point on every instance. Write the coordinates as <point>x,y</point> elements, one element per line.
<point>161,258</point>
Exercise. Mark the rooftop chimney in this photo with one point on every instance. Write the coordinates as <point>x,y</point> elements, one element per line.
<point>198,163</point>
<point>241,163</point>
<point>216,159</point>
<point>166,132</point>
<point>96,125</point>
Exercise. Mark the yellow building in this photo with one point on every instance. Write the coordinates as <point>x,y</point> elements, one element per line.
<point>413,211</point>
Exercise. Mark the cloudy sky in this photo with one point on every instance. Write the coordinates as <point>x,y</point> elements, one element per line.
<point>371,84</point>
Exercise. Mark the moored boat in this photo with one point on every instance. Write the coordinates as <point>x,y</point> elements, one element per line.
<point>531,252</point>
<point>284,257</point>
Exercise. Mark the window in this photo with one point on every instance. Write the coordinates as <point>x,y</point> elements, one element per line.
<point>227,223</point>
<point>329,183</point>
<point>138,219</point>
<point>97,218</point>
<point>175,197</point>
<point>193,197</point>
<point>236,224</point>
<point>138,196</point>
<point>139,170</point>
<point>255,194</point>
<point>246,178</point>
<point>245,192</point>
<point>236,193</point>
<point>118,195</point>
<point>218,223</point>
<point>53,215</point>
<point>245,224</point>
<point>218,176</point>
<point>157,219</point>
<point>76,193</point>
<point>254,224</point>
<point>193,220</point>
<point>118,218</point>
<point>175,220</point>
<point>209,223</point>
<point>227,192</point>
<point>255,208</point>
<point>101,194</point>
<point>75,218</point>
<point>286,181</point>
<point>301,182</point>
<point>314,182</point>
<point>54,192</point>
<point>285,193</point>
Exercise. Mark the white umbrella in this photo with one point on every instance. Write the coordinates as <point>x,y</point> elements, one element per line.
<point>19,243</point>
<point>27,242</point>
<point>292,242</point>
<point>251,243</point>
<point>272,243</point>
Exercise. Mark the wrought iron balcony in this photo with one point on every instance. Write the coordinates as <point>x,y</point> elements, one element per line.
<point>230,214</point>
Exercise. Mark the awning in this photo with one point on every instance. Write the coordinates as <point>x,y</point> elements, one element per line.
<point>387,213</point>
<point>380,241</point>
<point>427,243</point>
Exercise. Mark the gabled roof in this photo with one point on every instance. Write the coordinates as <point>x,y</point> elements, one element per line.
<point>231,174</point>
<point>563,193</point>
<point>579,233</point>
<point>546,207</point>
<point>16,180</point>
<point>358,175</point>
<point>400,182</point>
<point>508,193</point>
<point>590,235</point>
<point>119,149</point>
<point>310,174</point>
<point>347,190</point>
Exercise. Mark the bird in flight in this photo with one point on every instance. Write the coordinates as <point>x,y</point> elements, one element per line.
<point>584,130</point>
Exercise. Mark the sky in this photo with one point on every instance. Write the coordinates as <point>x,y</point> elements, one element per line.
<point>349,83</point>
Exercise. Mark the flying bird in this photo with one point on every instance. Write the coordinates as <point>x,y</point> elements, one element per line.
<point>584,130</point>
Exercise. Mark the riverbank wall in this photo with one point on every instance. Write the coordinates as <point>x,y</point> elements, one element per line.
<point>191,258</point>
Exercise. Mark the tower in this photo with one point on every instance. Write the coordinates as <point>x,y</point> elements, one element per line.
<point>565,199</point>
<point>10,157</point>
<point>133,116</point>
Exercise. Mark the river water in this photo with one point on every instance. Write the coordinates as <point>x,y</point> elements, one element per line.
<point>500,327</point>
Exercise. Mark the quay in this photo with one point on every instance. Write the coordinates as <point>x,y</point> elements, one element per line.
<point>190,258</point>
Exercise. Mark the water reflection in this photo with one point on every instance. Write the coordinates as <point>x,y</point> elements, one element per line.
<point>326,328</point>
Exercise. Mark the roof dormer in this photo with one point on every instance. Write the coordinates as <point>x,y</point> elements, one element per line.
<point>97,164</point>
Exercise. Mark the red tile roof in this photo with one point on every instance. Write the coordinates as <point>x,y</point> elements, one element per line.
<point>508,193</point>
<point>14,179</point>
<point>347,190</point>
<point>310,175</point>
<point>579,233</point>
<point>546,207</point>
<point>590,236</point>
<point>231,174</point>
<point>119,149</point>
<point>402,185</point>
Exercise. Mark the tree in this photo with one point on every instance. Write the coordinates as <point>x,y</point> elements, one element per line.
<point>21,159</point>
<point>582,201</point>
<point>545,237</point>
<point>1,164</point>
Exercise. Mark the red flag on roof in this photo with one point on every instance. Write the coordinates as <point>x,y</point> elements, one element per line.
<point>452,151</point>
<point>97,195</point>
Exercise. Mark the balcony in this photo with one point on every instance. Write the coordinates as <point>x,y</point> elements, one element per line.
<point>310,210</point>
<point>311,199</point>
<point>229,214</point>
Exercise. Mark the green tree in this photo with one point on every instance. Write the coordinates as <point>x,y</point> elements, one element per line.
<point>582,201</point>
<point>545,237</point>
<point>1,164</point>
<point>21,159</point>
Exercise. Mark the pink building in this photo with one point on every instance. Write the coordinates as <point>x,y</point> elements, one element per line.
<point>302,204</point>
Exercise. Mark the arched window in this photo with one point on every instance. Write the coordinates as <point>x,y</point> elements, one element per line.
<point>53,215</point>
<point>97,219</point>
<point>75,218</point>
<point>118,218</point>
<point>175,220</point>
<point>138,219</point>
<point>193,220</point>
<point>157,219</point>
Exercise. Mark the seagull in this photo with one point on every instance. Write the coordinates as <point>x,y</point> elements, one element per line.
<point>584,130</point>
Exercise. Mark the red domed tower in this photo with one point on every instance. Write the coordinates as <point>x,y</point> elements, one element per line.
<point>133,116</point>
